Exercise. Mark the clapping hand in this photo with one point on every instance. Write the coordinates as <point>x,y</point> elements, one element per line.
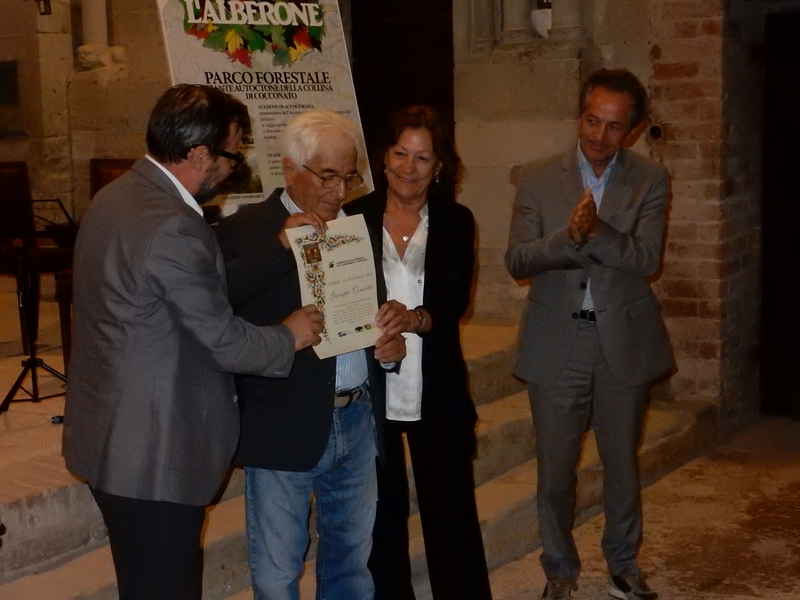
<point>583,221</point>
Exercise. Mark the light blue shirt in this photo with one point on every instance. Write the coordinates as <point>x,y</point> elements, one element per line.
<point>351,368</point>
<point>598,187</point>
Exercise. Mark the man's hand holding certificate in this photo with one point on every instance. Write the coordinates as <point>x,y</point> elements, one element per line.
<point>337,274</point>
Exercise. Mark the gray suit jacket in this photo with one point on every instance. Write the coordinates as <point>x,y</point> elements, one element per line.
<point>150,410</point>
<point>619,260</point>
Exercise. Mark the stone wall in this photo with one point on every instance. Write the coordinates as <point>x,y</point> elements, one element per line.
<point>743,72</point>
<point>687,93</point>
<point>509,109</point>
<point>71,115</point>
<point>707,96</point>
<point>43,47</point>
<point>109,106</point>
<point>701,62</point>
<point>516,102</point>
<point>19,43</point>
<point>740,234</point>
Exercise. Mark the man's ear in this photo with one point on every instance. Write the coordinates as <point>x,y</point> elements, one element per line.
<point>289,170</point>
<point>198,156</point>
<point>635,133</point>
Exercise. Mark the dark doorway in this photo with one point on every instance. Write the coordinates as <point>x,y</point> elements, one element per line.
<point>780,367</point>
<point>402,55</point>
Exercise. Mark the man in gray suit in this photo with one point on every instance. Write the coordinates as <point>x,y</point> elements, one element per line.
<point>588,227</point>
<point>151,420</point>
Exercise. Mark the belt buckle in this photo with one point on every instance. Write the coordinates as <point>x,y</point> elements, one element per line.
<point>345,399</point>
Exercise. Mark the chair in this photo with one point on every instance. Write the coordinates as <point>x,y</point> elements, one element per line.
<point>22,256</point>
<point>103,171</point>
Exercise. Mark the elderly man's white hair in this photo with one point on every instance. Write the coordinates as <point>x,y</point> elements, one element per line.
<point>307,132</point>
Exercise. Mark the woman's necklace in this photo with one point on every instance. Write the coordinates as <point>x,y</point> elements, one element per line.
<point>403,235</point>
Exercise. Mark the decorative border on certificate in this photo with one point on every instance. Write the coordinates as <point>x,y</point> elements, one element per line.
<point>336,272</point>
<point>311,251</point>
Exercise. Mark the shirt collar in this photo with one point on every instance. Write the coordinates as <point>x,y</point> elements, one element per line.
<point>187,197</point>
<point>293,208</point>
<point>586,168</point>
<point>423,212</point>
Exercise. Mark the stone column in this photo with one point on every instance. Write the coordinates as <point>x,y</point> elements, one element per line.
<point>50,160</point>
<point>94,52</point>
<point>95,23</point>
<point>482,25</point>
<point>567,19</point>
<point>517,23</point>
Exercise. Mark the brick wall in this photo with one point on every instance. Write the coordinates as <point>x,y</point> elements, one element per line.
<point>706,95</point>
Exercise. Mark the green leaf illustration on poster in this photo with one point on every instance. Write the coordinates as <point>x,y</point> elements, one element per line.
<point>286,29</point>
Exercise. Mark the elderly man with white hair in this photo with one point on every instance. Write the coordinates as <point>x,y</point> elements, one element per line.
<point>313,432</point>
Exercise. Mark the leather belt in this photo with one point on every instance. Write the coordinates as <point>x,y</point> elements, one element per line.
<point>588,315</point>
<point>346,398</point>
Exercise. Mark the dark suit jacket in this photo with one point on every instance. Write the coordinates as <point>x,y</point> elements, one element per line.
<point>447,407</point>
<point>619,260</point>
<point>150,411</point>
<point>285,422</point>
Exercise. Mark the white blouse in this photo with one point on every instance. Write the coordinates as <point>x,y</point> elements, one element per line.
<point>405,282</point>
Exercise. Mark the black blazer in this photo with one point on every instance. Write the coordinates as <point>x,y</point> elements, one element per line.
<point>447,407</point>
<point>285,422</point>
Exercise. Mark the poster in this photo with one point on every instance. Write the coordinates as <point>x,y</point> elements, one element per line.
<point>279,58</point>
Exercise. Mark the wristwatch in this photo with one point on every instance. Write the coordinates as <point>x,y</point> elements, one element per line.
<point>423,320</point>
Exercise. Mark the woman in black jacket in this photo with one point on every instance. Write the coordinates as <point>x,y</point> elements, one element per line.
<point>428,260</point>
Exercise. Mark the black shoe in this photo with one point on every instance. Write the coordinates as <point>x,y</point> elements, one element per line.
<point>559,589</point>
<point>630,587</point>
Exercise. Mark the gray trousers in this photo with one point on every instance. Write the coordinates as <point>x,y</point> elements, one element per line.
<point>585,392</point>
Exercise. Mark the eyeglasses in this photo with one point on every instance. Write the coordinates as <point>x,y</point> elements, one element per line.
<point>237,158</point>
<point>351,180</point>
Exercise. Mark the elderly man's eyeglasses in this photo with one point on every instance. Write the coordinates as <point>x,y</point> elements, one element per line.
<point>351,180</point>
<point>237,158</point>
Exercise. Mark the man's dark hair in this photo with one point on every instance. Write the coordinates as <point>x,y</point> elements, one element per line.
<point>187,116</point>
<point>620,81</point>
<point>423,117</point>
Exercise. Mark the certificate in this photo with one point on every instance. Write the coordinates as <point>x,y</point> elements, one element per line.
<point>337,275</point>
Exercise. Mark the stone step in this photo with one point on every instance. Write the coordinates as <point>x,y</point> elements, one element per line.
<point>505,436</point>
<point>90,576</point>
<point>674,433</point>
<point>488,350</point>
<point>46,513</point>
<point>50,517</point>
<point>505,440</point>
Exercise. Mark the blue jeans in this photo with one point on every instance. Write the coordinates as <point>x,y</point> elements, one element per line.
<point>346,492</point>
